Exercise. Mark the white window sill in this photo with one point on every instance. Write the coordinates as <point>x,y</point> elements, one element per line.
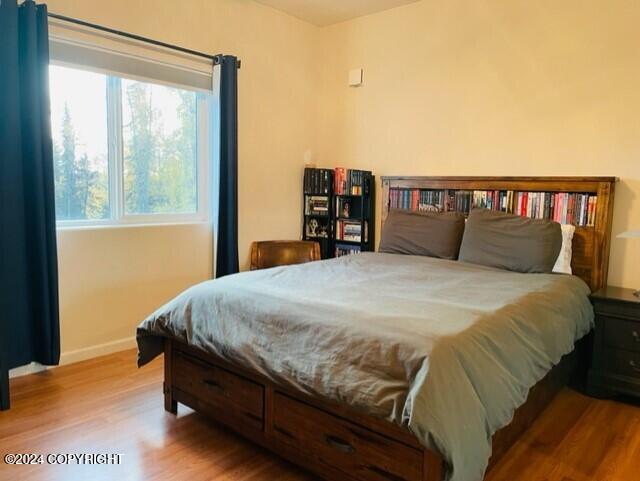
<point>125,225</point>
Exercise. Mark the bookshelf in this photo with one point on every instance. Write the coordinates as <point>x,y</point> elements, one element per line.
<point>576,208</point>
<point>354,211</point>
<point>317,208</point>
<point>340,215</point>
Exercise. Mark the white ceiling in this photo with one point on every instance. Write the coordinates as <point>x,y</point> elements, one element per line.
<point>327,12</point>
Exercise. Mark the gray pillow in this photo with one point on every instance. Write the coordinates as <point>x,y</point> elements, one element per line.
<point>510,241</point>
<point>433,234</point>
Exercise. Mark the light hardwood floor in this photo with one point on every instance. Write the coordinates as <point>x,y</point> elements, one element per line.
<point>107,405</point>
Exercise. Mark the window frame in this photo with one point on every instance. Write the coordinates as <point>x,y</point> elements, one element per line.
<point>115,159</point>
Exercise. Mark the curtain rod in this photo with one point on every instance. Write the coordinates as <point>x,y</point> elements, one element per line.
<point>214,58</point>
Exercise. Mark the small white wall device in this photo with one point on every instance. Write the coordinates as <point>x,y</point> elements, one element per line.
<point>355,77</point>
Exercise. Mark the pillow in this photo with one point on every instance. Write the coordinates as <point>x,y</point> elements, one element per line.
<point>433,234</point>
<point>510,241</point>
<point>563,263</point>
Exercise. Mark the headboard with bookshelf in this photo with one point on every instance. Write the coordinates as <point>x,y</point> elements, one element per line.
<point>586,202</point>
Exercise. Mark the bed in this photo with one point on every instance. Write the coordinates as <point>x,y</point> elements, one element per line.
<point>379,366</point>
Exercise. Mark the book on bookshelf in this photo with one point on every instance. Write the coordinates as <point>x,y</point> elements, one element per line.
<point>346,250</point>
<point>563,207</point>
<point>349,182</point>
<point>316,205</point>
<point>317,181</point>
<point>351,230</point>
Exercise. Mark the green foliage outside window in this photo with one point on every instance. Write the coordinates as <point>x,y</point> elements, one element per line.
<point>158,130</point>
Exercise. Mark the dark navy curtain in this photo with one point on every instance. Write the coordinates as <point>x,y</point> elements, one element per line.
<point>28,272</point>
<point>227,219</point>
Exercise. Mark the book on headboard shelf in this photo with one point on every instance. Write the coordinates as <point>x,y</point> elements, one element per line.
<point>564,207</point>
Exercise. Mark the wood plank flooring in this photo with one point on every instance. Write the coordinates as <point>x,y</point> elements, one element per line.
<point>107,405</point>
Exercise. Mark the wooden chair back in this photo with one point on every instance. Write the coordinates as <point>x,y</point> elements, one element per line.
<point>265,254</point>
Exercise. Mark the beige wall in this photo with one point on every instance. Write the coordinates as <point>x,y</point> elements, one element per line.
<point>451,87</point>
<point>493,87</point>
<point>111,278</point>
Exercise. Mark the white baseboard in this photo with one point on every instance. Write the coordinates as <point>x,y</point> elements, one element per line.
<point>78,355</point>
<point>32,368</point>
<point>85,353</point>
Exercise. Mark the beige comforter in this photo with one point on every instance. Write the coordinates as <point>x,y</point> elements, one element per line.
<point>446,348</point>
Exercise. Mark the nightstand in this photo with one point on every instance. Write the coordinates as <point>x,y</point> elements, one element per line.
<point>615,365</point>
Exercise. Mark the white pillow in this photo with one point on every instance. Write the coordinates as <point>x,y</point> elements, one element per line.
<point>563,264</point>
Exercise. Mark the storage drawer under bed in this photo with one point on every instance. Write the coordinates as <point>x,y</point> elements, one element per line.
<point>233,399</point>
<point>346,446</point>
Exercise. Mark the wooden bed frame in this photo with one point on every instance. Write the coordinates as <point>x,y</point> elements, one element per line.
<point>338,442</point>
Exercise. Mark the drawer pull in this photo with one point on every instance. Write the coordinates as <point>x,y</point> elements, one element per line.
<point>634,366</point>
<point>385,474</point>
<point>283,431</point>
<point>636,336</point>
<point>339,444</point>
<point>253,416</point>
<point>213,385</point>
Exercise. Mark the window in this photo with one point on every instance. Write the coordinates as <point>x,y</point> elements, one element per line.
<point>160,149</point>
<point>80,153</point>
<point>126,151</point>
